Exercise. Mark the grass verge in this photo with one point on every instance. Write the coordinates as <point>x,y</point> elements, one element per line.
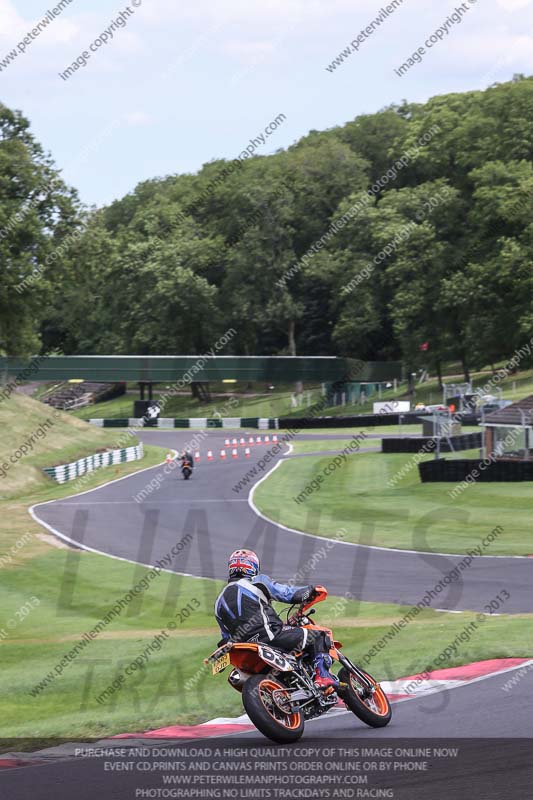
<point>272,404</point>
<point>299,446</point>
<point>407,514</point>
<point>24,482</point>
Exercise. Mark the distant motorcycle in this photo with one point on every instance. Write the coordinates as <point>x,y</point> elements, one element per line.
<point>278,691</point>
<point>186,470</point>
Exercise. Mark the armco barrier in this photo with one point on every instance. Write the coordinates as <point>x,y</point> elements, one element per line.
<point>267,423</point>
<point>110,423</point>
<point>262,423</point>
<point>67,472</point>
<point>457,470</point>
<point>467,441</point>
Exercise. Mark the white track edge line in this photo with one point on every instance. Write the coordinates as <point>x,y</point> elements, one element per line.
<point>88,549</point>
<point>254,509</point>
<point>351,544</point>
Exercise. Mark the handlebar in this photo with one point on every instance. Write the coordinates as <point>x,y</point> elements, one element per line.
<point>303,609</point>
<point>320,594</point>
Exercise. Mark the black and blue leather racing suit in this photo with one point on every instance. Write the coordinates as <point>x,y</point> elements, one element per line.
<point>244,613</point>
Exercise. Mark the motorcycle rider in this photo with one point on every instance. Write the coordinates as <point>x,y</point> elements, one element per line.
<point>187,459</point>
<point>244,613</point>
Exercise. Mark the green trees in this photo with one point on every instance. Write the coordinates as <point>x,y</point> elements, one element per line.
<point>37,212</point>
<point>492,283</point>
<point>139,289</point>
<point>412,225</point>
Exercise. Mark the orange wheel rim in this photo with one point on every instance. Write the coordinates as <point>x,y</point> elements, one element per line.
<point>267,687</point>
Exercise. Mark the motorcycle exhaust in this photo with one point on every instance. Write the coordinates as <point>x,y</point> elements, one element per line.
<point>237,678</point>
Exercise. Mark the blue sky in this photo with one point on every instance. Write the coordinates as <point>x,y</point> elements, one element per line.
<point>183,83</point>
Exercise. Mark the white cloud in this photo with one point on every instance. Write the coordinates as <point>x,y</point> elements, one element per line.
<point>492,51</point>
<point>252,50</point>
<point>11,23</point>
<point>14,27</point>
<point>514,5</point>
<point>268,14</point>
<point>124,41</point>
<point>138,118</point>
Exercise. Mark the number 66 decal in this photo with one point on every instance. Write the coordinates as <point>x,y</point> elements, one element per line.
<point>275,659</point>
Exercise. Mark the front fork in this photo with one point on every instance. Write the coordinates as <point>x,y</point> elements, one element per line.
<point>368,684</point>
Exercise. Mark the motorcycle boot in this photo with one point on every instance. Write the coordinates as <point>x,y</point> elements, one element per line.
<point>323,677</point>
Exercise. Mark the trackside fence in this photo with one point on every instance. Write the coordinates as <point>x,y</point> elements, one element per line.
<point>67,472</point>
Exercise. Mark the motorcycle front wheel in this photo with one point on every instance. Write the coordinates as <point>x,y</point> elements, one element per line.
<point>264,698</point>
<point>373,709</point>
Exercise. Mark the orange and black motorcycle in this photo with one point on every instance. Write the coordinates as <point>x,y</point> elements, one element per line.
<point>186,469</point>
<point>278,691</point>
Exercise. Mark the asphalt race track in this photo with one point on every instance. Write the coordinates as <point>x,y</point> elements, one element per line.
<point>496,768</point>
<point>219,519</point>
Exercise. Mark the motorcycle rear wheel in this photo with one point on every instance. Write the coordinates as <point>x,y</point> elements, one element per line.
<point>375,710</point>
<point>266,714</point>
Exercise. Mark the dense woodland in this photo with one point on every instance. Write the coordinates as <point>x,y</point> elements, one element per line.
<point>431,260</point>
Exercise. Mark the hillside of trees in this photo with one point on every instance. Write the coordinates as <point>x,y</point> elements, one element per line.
<point>405,234</point>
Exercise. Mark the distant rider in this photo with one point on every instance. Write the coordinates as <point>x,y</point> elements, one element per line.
<point>245,614</point>
<point>187,459</point>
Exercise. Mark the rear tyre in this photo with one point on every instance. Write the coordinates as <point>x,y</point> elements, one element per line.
<point>263,700</point>
<point>374,710</point>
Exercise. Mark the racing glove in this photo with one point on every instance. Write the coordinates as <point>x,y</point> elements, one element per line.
<point>303,594</point>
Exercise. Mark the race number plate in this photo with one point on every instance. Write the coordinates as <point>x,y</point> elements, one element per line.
<point>221,663</point>
<point>275,659</point>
